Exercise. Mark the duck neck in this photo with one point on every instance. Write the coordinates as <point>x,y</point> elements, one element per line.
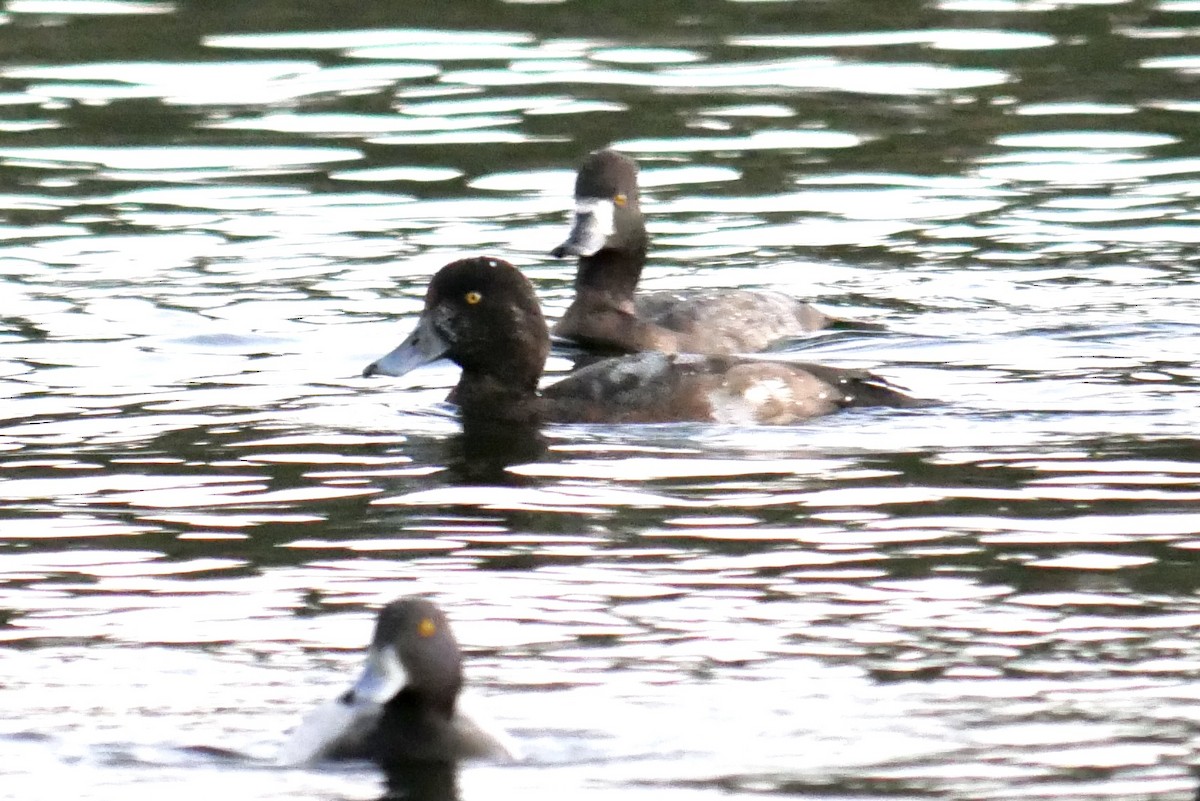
<point>500,373</point>
<point>486,399</point>
<point>611,275</point>
<point>440,700</point>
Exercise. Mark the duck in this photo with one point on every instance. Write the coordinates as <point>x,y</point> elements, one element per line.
<point>608,235</point>
<point>482,313</point>
<point>403,710</point>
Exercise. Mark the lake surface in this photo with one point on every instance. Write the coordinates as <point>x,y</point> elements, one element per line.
<point>217,212</point>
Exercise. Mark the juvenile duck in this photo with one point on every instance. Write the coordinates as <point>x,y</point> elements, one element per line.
<point>403,708</point>
<point>482,314</point>
<point>608,234</point>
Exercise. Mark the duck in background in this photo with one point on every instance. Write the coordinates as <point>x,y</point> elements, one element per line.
<point>482,314</point>
<point>608,234</point>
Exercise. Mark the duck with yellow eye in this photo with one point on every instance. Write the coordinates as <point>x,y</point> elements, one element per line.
<point>608,237</point>
<point>482,313</point>
<point>403,709</point>
<point>497,337</point>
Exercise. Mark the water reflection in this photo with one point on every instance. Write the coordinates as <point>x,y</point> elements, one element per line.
<point>422,782</point>
<point>483,453</point>
<point>213,221</point>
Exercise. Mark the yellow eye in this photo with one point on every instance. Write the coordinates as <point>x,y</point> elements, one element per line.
<point>472,297</point>
<point>620,200</point>
<point>426,628</point>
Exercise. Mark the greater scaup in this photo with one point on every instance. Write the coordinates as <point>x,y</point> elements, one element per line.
<point>404,707</point>
<point>482,314</point>
<point>608,234</point>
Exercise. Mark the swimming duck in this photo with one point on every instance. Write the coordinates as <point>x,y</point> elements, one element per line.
<point>608,234</point>
<point>482,314</point>
<point>404,707</point>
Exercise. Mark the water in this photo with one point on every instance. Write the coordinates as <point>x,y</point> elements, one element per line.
<point>216,213</point>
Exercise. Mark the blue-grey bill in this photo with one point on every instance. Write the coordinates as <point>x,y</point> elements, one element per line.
<point>423,345</point>
<point>382,678</point>
<point>340,726</point>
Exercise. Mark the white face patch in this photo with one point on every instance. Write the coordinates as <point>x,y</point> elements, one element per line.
<point>594,223</point>
<point>603,208</point>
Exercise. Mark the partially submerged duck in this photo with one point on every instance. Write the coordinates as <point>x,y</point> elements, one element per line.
<point>482,314</point>
<point>608,234</point>
<point>403,709</point>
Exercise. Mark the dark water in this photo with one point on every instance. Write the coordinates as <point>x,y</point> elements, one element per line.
<point>216,212</point>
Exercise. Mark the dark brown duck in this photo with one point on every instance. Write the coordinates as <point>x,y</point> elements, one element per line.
<point>403,710</point>
<point>482,314</point>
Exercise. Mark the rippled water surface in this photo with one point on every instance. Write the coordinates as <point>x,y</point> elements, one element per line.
<point>217,212</point>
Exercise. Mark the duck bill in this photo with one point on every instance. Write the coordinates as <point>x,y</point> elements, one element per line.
<point>423,345</point>
<point>382,679</point>
<point>339,728</point>
<point>591,227</point>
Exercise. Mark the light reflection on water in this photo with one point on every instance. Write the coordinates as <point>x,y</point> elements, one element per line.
<point>204,502</point>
